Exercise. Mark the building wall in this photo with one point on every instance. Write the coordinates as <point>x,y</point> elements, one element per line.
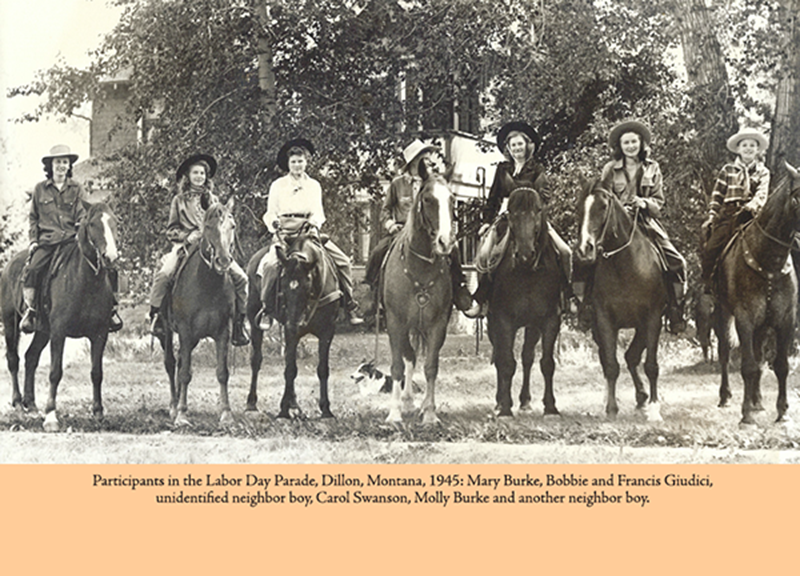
<point>113,126</point>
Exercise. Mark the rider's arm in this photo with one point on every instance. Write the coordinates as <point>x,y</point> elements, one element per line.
<point>762,190</point>
<point>175,231</point>
<point>316,212</point>
<point>389,206</point>
<point>653,183</point>
<point>495,199</point>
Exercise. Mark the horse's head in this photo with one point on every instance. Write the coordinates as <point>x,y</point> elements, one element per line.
<point>98,232</point>
<point>434,211</point>
<point>298,284</point>
<point>219,229</point>
<point>526,220</point>
<point>601,219</point>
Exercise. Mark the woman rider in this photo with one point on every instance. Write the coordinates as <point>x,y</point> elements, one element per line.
<point>185,229</point>
<point>519,142</point>
<point>636,180</point>
<point>296,197</point>
<point>57,206</point>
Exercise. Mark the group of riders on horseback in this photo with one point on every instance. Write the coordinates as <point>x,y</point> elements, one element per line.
<point>295,204</point>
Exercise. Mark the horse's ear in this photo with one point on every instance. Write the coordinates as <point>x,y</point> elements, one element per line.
<point>582,180</point>
<point>792,170</point>
<point>229,204</point>
<point>448,173</point>
<point>423,170</point>
<point>281,255</point>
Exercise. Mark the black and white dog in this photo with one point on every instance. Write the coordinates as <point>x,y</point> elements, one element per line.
<point>370,380</point>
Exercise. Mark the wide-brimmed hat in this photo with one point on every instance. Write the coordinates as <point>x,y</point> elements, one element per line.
<point>194,159</point>
<point>630,126</point>
<point>283,153</point>
<point>60,151</point>
<point>517,126</point>
<point>416,148</point>
<point>747,134</point>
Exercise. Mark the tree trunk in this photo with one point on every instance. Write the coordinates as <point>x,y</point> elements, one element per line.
<point>713,103</point>
<point>266,77</point>
<point>785,133</point>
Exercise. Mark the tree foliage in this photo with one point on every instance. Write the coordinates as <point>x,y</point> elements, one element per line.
<point>572,68</point>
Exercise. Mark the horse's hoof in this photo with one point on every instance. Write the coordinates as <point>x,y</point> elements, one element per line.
<point>181,421</point>
<point>51,422</point>
<point>526,408</point>
<point>252,414</point>
<point>327,414</point>
<point>747,422</point>
<point>653,412</point>
<point>173,413</point>
<point>226,419</point>
<point>98,415</point>
<point>395,416</point>
<point>552,414</point>
<point>430,419</point>
<point>758,407</point>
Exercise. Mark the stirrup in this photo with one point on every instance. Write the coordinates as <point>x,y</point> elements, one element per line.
<point>115,325</point>
<point>263,320</point>
<point>28,323</point>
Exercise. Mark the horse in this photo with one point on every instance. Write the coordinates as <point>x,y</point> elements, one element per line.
<point>417,293</point>
<point>309,303</point>
<point>200,305</point>
<point>80,300</point>
<point>629,290</point>
<point>526,291</point>
<point>756,287</point>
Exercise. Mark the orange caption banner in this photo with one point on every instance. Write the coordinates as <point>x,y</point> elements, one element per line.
<point>463,519</point>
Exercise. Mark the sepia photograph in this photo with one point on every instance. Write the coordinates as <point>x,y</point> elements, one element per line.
<point>399,232</point>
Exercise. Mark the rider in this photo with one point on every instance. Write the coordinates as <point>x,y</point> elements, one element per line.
<point>57,206</point>
<point>519,142</point>
<point>294,199</point>
<point>739,194</point>
<point>636,180</point>
<point>394,214</point>
<point>185,229</point>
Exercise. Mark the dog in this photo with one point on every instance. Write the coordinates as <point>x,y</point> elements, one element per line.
<point>370,380</point>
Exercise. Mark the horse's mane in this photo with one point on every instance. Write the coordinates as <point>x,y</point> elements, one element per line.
<point>524,200</point>
<point>214,211</point>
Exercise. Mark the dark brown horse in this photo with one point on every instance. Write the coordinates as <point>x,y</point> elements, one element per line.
<point>80,305</point>
<point>309,303</point>
<point>525,293</point>
<point>628,291</point>
<point>201,305</point>
<point>417,292</point>
<point>757,288</point>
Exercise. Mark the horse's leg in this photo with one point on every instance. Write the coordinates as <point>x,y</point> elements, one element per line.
<point>633,355</point>
<point>547,364</point>
<point>606,338</point>
<point>651,367</point>
<point>289,399</point>
<point>528,353</point>
<point>323,369</point>
<point>751,371</point>
<point>221,343</point>
<point>56,372</point>
<point>256,357</point>
<point>11,329</point>
<point>32,355</point>
<point>98,346</point>
<point>169,366</point>
<point>758,354</point>
<point>410,354</point>
<point>185,347</point>
<point>398,343</point>
<point>436,338</point>
<point>721,328</point>
<point>502,337</point>
<point>781,366</point>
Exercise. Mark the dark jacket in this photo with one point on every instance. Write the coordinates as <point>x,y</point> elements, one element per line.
<point>54,213</point>
<point>532,175</point>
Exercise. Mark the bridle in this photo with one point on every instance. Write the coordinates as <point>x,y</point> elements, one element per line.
<point>606,223</point>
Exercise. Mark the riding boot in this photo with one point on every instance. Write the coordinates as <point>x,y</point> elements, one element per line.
<point>156,323</point>
<point>461,296</point>
<point>480,297</point>
<point>115,325</point>
<point>239,336</point>
<point>28,324</point>
<point>351,311</point>
<point>675,310</point>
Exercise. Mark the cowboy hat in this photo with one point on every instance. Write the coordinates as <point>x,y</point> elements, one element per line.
<point>625,127</point>
<point>60,151</point>
<point>414,149</point>
<point>283,153</point>
<point>194,159</point>
<point>510,127</point>
<point>746,134</point>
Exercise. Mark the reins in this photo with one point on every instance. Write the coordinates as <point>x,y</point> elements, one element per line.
<point>616,251</point>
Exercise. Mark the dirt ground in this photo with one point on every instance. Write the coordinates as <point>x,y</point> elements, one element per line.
<point>137,427</point>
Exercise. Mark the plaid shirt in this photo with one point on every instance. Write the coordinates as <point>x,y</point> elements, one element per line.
<point>739,183</point>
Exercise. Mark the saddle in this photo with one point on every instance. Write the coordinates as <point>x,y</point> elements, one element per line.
<point>43,303</point>
<point>493,246</point>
